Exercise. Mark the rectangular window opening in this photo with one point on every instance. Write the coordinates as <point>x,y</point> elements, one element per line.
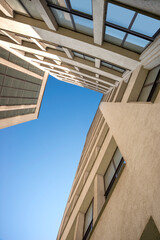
<point>113,171</point>
<point>151,86</point>
<point>88,221</point>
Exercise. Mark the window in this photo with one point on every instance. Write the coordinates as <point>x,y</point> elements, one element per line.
<point>63,18</point>
<point>88,221</point>
<point>82,6</point>
<point>73,14</point>
<point>109,65</point>
<point>83,56</point>
<point>113,171</point>
<point>83,25</point>
<point>151,86</point>
<point>132,30</point>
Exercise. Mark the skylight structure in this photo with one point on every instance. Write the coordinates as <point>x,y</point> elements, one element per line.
<point>99,40</point>
<point>129,29</point>
<point>73,15</point>
<point>123,27</point>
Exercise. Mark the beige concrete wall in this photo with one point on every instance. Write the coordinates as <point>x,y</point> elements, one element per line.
<point>134,128</point>
<point>8,122</point>
<point>136,197</point>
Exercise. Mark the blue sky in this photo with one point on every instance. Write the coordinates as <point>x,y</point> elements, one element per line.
<point>38,162</point>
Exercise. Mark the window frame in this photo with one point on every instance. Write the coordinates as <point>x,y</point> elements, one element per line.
<point>116,174</point>
<point>68,9</point>
<point>153,84</point>
<point>90,227</point>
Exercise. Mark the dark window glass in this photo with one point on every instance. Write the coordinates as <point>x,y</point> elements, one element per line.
<point>80,55</point>
<point>151,86</point>
<point>113,171</point>
<point>88,221</point>
<point>109,65</point>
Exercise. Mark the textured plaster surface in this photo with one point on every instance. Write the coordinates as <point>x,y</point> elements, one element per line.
<point>136,197</point>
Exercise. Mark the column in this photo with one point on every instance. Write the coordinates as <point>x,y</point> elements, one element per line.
<point>99,197</point>
<point>78,233</point>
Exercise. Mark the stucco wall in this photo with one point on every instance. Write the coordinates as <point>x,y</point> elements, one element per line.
<point>136,197</point>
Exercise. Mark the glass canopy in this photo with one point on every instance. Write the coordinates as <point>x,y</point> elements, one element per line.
<point>131,30</point>
<point>123,27</point>
<point>82,6</point>
<point>73,14</point>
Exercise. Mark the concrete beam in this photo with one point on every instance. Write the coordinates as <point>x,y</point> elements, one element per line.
<point>41,45</point>
<point>70,39</point>
<point>77,69</point>
<point>80,80</point>
<point>12,36</point>
<point>89,84</point>
<point>97,63</point>
<point>107,81</point>
<point>99,9</point>
<point>97,75</point>
<point>30,49</point>
<point>6,8</point>
<point>46,14</point>
<point>84,64</point>
<point>86,85</point>
<point>39,57</point>
<point>59,56</point>
<point>68,52</point>
<point>104,81</point>
<point>47,62</point>
<point>81,63</point>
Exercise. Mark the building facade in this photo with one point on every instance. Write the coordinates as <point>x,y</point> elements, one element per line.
<point>112,47</point>
<point>115,191</point>
<point>21,89</point>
